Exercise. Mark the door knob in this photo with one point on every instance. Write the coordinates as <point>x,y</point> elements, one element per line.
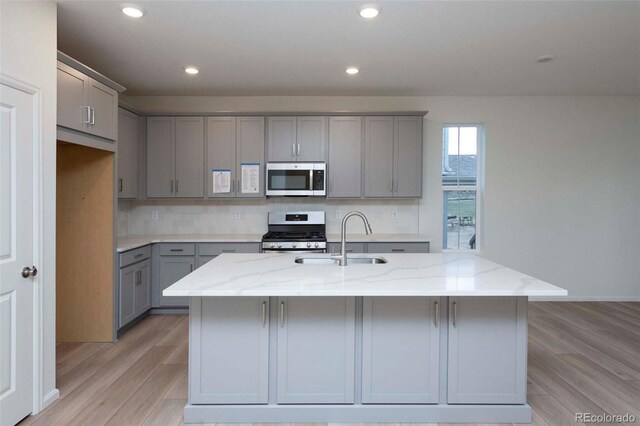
<point>29,272</point>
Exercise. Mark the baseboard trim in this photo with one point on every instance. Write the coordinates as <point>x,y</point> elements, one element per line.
<point>50,398</point>
<point>585,299</point>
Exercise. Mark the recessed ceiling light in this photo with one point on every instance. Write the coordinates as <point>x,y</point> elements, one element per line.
<point>369,11</point>
<point>132,10</point>
<point>191,70</point>
<point>352,70</point>
<point>545,58</point>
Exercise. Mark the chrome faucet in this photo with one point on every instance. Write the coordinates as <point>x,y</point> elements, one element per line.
<point>342,257</point>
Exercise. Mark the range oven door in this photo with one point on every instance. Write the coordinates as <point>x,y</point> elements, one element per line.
<point>295,179</point>
<point>267,250</point>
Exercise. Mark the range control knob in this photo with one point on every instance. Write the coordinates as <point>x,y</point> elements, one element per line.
<point>316,245</point>
<point>294,245</point>
<point>308,245</point>
<point>280,245</point>
<point>272,245</point>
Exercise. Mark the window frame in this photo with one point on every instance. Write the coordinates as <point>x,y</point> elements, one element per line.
<point>478,187</point>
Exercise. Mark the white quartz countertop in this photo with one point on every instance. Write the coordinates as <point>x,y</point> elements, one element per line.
<point>277,274</point>
<point>131,242</point>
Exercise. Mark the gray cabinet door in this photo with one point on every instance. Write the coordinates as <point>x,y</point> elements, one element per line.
<point>172,269</point>
<point>282,139</point>
<point>398,247</point>
<point>351,248</point>
<point>160,156</point>
<point>229,351</point>
<point>221,152</point>
<point>345,157</point>
<point>400,350</point>
<point>408,157</point>
<point>249,151</point>
<point>128,135</point>
<point>142,292</point>
<point>378,156</point>
<point>127,283</point>
<point>189,154</point>
<point>316,344</point>
<point>487,350</point>
<point>104,103</point>
<point>72,87</point>
<point>311,138</point>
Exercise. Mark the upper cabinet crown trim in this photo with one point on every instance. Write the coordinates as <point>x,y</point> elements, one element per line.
<point>68,60</point>
<point>284,113</point>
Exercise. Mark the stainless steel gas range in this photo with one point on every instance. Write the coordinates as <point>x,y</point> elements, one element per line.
<point>295,232</point>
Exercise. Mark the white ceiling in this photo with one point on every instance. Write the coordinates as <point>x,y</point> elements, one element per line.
<point>412,48</point>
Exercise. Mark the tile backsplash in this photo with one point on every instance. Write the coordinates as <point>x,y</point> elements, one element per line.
<point>250,216</point>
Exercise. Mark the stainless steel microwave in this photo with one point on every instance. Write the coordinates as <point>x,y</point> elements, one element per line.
<point>296,179</point>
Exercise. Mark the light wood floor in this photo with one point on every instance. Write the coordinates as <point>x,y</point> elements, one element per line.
<point>583,357</point>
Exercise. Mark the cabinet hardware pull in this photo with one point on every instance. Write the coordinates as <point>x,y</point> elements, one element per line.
<point>176,249</point>
<point>298,150</point>
<point>88,109</point>
<point>455,314</point>
<point>397,250</point>
<point>391,185</point>
<point>233,185</point>
<point>120,185</point>
<point>264,313</point>
<point>191,268</point>
<point>281,314</point>
<point>176,186</point>
<point>436,319</point>
<point>239,186</point>
<point>139,255</point>
<point>172,186</point>
<point>229,251</point>
<point>93,116</point>
<point>395,188</point>
<point>293,150</point>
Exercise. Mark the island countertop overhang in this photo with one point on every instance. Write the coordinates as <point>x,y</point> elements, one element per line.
<point>433,274</point>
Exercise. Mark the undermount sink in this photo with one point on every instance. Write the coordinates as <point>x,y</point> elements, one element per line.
<point>361,260</point>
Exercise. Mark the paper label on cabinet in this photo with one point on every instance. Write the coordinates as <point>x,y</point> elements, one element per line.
<point>221,181</point>
<point>250,178</point>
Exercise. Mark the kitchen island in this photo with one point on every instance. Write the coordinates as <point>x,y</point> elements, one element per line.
<point>420,338</point>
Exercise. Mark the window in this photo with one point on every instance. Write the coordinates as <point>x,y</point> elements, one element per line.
<point>461,161</point>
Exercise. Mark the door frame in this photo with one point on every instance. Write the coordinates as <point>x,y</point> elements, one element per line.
<point>39,401</point>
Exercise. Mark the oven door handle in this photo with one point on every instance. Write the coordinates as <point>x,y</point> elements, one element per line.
<point>294,251</point>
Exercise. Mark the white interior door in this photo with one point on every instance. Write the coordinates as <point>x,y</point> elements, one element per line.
<point>16,253</point>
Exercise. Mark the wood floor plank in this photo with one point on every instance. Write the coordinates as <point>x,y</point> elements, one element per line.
<point>177,333</point>
<point>180,353</point>
<point>167,412</point>
<point>179,388</point>
<point>551,410</point>
<point>534,388</point>
<point>139,405</point>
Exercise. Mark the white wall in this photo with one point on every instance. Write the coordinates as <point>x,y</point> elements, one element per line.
<point>28,34</point>
<point>562,194</point>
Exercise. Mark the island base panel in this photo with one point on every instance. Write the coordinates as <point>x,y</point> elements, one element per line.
<point>440,413</point>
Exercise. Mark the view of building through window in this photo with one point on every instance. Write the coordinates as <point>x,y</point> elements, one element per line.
<point>460,159</point>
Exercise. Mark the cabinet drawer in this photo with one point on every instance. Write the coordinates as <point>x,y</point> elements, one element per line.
<point>214,249</point>
<point>398,248</point>
<point>351,248</point>
<point>178,249</point>
<point>133,256</point>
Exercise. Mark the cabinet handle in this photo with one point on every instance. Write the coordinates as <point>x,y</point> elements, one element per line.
<point>176,249</point>
<point>293,150</point>
<point>191,268</point>
<point>119,184</point>
<point>138,276</point>
<point>176,186</point>
<point>436,310</point>
<point>233,185</point>
<point>229,251</point>
<point>397,250</point>
<point>239,186</point>
<point>455,314</point>
<point>172,186</point>
<point>93,116</point>
<point>395,188</point>
<point>139,255</point>
<point>88,110</point>
<point>281,314</point>
<point>264,313</point>
<point>298,150</point>
<point>391,185</point>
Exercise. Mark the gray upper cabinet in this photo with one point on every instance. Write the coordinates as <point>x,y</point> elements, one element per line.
<point>234,142</point>
<point>316,350</point>
<point>160,156</point>
<point>128,147</point>
<point>400,350</point>
<point>407,170</point>
<point>189,160</point>
<point>230,356</point>
<point>85,104</point>
<point>484,366</point>
<point>175,149</point>
<point>393,157</point>
<point>345,157</point>
<point>297,138</point>
<point>378,156</point>
<point>282,139</point>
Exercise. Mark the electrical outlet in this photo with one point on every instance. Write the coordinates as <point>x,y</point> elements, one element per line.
<point>237,215</point>
<point>338,214</point>
<point>394,214</point>
<point>154,215</point>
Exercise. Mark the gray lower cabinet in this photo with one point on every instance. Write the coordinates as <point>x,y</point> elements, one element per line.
<point>201,260</point>
<point>209,251</point>
<point>229,350</point>
<point>345,157</point>
<point>422,247</point>
<point>400,350</point>
<point>134,295</point>
<point>316,350</point>
<point>351,248</point>
<point>487,350</point>
<point>171,263</point>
